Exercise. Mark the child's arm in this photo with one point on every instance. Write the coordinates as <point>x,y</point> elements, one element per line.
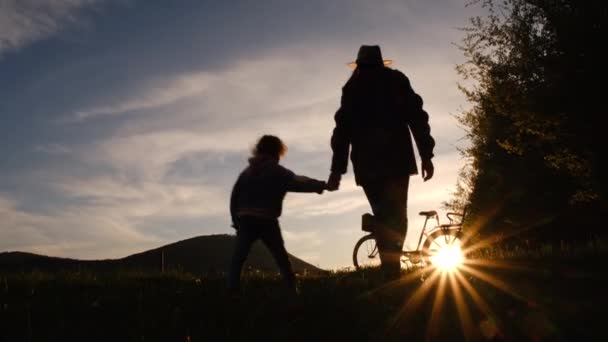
<point>305,184</point>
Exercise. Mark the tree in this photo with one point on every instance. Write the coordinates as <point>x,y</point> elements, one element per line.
<point>536,157</point>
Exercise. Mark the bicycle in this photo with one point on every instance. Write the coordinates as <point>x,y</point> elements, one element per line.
<point>436,239</point>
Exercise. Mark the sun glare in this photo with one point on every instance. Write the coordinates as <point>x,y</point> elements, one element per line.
<point>448,258</point>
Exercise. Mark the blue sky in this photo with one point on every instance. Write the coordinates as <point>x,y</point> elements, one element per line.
<point>124,124</point>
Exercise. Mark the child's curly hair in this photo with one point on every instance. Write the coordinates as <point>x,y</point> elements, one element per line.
<point>270,145</point>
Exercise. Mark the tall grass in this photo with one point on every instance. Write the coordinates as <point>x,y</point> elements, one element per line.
<point>552,299</point>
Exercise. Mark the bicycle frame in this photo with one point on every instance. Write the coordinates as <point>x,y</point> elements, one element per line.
<point>424,234</point>
<point>427,236</point>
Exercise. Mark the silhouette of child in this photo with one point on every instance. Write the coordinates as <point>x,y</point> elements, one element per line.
<point>256,204</point>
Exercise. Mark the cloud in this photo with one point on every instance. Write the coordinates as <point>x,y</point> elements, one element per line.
<point>25,21</point>
<point>123,182</point>
<point>328,206</point>
<point>52,148</point>
<point>135,160</point>
<point>305,244</point>
<point>228,108</point>
<point>105,216</point>
<point>346,200</point>
<point>266,83</point>
<point>310,238</point>
<point>162,94</point>
<point>137,202</point>
<point>77,232</point>
<point>153,152</point>
<point>221,112</point>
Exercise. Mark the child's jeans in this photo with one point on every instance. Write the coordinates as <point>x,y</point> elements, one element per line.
<point>268,230</point>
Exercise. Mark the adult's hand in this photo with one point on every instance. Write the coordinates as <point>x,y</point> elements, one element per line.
<point>333,183</point>
<point>427,169</point>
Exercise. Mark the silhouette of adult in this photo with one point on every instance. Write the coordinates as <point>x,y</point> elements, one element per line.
<point>378,110</point>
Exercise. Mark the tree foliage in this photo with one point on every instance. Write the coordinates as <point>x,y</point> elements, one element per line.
<point>537,155</point>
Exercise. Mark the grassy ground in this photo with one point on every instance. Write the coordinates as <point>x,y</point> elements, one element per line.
<point>535,299</point>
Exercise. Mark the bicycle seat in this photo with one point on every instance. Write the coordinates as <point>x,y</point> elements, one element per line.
<point>428,213</point>
<point>368,222</point>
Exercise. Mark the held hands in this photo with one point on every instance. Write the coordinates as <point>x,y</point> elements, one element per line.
<point>333,183</point>
<point>427,169</point>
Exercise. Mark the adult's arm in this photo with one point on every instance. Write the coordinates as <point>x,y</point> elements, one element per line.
<point>233,201</point>
<point>341,137</point>
<point>418,121</point>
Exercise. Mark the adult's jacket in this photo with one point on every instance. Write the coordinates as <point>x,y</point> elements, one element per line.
<point>378,110</point>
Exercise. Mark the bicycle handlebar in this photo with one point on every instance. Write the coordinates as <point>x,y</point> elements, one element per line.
<point>449,216</point>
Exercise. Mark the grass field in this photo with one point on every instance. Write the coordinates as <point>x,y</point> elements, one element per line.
<point>512,298</point>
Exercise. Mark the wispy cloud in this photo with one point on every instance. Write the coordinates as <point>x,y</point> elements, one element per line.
<point>52,148</point>
<point>348,199</point>
<point>310,238</point>
<point>81,231</point>
<point>136,202</point>
<point>306,243</point>
<point>26,21</point>
<point>219,112</point>
<point>262,84</point>
<point>162,94</point>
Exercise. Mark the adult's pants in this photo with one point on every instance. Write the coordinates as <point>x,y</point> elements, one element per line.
<point>388,200</point>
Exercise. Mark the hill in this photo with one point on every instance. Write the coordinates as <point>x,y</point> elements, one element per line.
<point>199,255</point>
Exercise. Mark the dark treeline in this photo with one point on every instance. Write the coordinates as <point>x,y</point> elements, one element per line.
<point>535,74</point>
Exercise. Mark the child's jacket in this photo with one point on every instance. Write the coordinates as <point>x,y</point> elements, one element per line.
<point>261,188</point>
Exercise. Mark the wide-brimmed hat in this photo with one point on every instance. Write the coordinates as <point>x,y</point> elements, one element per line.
<point>370,55</point>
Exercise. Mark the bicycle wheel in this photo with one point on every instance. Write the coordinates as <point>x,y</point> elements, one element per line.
<point>441,241</point>
<point>366,252</point>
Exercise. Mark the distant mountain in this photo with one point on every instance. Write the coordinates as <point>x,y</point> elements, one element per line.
<point>199,255</point>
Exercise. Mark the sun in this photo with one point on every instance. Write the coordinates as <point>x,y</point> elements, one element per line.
<point>448,258</point>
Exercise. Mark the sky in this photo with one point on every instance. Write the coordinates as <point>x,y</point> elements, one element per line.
<point>124,124</point>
